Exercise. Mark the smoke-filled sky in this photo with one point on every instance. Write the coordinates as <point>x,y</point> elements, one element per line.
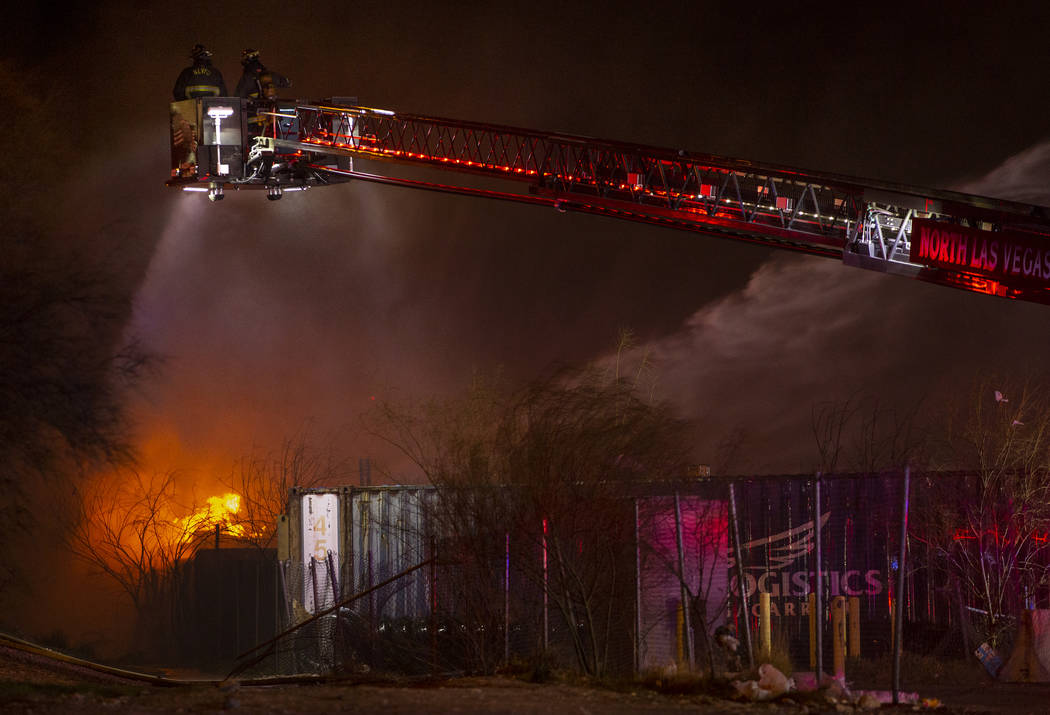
<point>283,317</point>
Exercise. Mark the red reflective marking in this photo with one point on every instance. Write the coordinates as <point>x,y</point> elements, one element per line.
<point>965,534</point>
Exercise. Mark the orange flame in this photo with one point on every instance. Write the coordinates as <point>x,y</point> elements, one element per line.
<point>218,511</point>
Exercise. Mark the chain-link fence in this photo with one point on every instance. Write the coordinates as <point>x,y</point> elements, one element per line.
<point>818,567</point>
<point>807,570</point>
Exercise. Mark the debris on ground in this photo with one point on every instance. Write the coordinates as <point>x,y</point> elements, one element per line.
<point>771,684</point>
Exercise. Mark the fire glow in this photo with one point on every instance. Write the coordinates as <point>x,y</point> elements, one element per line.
<point>219,511</point>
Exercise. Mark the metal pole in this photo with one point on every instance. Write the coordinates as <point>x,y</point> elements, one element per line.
<point>818,578</point>
<point>637,593</point>
<point>546,624</point>
<point>334,582</point>
<point>317,605</point>
<point>329,564</point>
<point>258,599</point>
<point>278,582</point>
<point>282,584</point>
<point>371,603</point>
<point>898,615</point>
<point>433,606</point>
<point>741,586</point>
<point>688,628</point>
<point>506,604</point>
<point>313,584</point>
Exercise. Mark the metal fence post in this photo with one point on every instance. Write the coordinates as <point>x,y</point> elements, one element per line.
<point>741,586</point>
<point>433,607</point>
<point>278,588</point>
<point>898,616</point>
<point>637,593</point>
<point>506,603</point>
<point>688,628</point>
<point>546,584</point>
<point>818,587</point>
<point>317,605</point>
<point>337,633</point>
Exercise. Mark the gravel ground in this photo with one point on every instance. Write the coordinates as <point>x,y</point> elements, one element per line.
<point>31,683</point>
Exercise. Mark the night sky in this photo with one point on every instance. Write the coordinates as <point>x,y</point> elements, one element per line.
<point>284,318</point>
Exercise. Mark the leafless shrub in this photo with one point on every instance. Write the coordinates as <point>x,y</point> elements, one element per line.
<point>134,529</point>
<point>987,516</point>
<point>545,469</point>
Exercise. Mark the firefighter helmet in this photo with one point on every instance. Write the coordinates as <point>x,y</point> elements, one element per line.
<point>248,56</point>
<point>200,52</point>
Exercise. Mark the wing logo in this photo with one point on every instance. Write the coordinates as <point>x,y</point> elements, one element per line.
<point>784,548</point>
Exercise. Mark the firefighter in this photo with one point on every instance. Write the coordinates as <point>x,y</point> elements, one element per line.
<point>201,79</point>
<point>257,82</point>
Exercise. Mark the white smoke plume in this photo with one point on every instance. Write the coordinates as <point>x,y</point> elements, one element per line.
<point>806,331</point>
<point>1025,177</point>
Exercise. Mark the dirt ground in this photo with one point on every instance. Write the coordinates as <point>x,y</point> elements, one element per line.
<point>30,683</point>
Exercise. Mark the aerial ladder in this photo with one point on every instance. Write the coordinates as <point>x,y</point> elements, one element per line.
<point>980,244</point>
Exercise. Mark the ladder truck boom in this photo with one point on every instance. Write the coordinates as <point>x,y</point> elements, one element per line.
<point>976,243</point>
